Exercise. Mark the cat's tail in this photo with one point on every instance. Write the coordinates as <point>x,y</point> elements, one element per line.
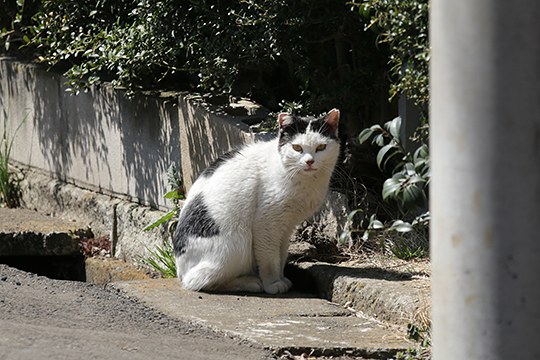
<point>206,276</point>
<point>203,276</point>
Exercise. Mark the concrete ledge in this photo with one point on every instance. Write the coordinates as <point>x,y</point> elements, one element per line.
<point>27,233</point>
<point>122,221</point>
<point>293,322</point>
<point>370,306</point>
<point>382,294</point>
<point>104,271</point>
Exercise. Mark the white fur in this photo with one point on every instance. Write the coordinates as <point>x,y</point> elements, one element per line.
<point>257,199</point>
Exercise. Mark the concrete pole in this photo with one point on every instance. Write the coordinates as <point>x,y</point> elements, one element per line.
<point>485,190</point>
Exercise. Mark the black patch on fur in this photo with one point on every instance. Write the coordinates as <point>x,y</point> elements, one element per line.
<point>194,221</point>
<point>299,126</point>
<point>210,170</point>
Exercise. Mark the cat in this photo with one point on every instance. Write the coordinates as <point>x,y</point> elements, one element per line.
<point>234,228</point>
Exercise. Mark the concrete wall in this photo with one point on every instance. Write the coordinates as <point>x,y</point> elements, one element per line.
<point>100,155</point>
<point>120,220</point>
<point>103,140</point>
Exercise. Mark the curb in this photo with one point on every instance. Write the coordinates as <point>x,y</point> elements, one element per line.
<point>389,296</point>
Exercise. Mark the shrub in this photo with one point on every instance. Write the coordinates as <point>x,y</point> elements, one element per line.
<point>9,186</point>
<point>403,26</point>
<point>315,52</point>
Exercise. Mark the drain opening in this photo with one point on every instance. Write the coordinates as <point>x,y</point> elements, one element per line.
<point>54,267</point>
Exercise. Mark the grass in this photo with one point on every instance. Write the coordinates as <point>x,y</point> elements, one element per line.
<point>422,336</point>
<point>162,260</point>
<point>408,246</point>
<point>9,189</point>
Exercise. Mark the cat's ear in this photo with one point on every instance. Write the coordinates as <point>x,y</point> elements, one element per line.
<point>332,120</point>
<point>285,119</point>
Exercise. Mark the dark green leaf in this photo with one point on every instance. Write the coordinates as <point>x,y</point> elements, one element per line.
<point>390,188</point>
<point>379,140</point>
<point>351,215</point>
<point>377,224</point>
<point>411,194</point>
<point>394,127</point>
<point>386,153</point>
<point>365,135</point>
<point>401,226</point>
<point>421,153</point>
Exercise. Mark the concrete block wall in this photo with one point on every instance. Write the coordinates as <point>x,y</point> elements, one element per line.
<point>107,142</point>
<point>102,157</point>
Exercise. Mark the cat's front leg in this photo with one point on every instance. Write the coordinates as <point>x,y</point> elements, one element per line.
<point>284,254</point>
<point>268,255</point>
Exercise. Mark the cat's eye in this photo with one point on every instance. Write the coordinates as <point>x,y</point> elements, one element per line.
<point>321,147</point>
<point>297,147</point>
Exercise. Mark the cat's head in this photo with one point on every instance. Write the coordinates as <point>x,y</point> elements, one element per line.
<point>309,145</point>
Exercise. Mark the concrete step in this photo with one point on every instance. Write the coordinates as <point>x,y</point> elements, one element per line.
<point>395,297</point>
<point>28,233</point>
<point>100,270</point>
<point>296,323</point>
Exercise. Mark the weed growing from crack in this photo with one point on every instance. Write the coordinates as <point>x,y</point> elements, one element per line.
<point>162,257</point>
<point>162,260</point>
<point>9,186</point>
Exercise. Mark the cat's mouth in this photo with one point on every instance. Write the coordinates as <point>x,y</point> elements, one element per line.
<point>310,169</point>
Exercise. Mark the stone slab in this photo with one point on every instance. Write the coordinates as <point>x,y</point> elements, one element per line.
<point>293,322</point>
<point>28,233</point>
<point>386,295</point>
<point>105,270</point>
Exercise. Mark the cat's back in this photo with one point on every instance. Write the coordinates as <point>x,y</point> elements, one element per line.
<point>235,177</point>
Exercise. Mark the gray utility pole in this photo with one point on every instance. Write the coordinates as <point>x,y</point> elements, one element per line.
<point>485,190</point>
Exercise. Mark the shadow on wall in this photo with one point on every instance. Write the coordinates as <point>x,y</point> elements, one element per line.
<point>151,143</point>
<point>20,106</point>
<point>205,136</point>
<point>98,139</point>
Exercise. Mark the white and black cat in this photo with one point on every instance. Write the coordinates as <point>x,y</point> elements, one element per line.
<point>233,231</point>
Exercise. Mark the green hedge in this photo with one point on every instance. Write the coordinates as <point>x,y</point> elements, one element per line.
<point>403,26</point>
<point>315,53</point>
<point>320,53</point>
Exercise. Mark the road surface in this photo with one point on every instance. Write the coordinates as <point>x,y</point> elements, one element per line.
<point>42,318</point>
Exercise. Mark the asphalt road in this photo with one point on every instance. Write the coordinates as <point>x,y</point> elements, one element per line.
<point>42,318</point>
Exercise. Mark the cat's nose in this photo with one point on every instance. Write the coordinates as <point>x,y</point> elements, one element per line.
<point>310,162</point>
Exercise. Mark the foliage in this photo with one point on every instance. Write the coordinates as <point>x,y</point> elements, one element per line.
<point>15,16</point>
<point>314,52</point>
<point>402,239</point>
<point>403,25</point>
<point>410,172</point>
<point>423,337</point>
<point>9,187</point>
<point>162,260</point>
<point>175,195</point>
<point>407,187</point>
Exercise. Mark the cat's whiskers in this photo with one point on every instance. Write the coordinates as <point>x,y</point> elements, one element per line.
<point>291,174</point>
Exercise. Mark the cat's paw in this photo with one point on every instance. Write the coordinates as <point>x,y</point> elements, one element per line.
<point>287,281</point>
<point>278,286</point>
